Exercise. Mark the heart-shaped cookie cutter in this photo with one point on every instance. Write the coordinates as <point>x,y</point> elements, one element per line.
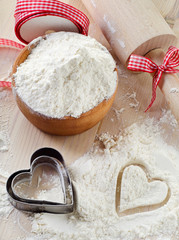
<point>47,156</point>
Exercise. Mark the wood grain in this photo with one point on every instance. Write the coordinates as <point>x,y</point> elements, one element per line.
<point>133,96</point>
<point>131,26</point>
<point>130,31</point>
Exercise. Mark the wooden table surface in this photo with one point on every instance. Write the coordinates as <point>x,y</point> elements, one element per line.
<point>24,138</point>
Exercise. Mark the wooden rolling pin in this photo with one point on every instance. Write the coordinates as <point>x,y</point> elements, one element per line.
<point>169,10</point>
<point>137,27</point>
<point>165,6</point>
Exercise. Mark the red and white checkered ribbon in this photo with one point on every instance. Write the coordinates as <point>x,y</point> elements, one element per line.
<point>143,64</point>
<point>29,9</point>
<point>7,43</point>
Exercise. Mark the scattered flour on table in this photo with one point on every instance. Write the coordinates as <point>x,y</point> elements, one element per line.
<point>5,206</point>
<point>135,102</point>
<point>3,141</point>
<point>168,118</point>
<point>52,191</point>
<point>121,71</point>
<point>66,74</point>
<point>94,178</point>
<point>5,109</point>
<point>118,112</point>
<point>174,90</point>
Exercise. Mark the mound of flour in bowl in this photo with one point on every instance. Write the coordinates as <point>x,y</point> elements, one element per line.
<point>66,74</point>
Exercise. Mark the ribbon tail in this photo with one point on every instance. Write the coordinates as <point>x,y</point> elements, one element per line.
<point>156,80</point>
<point>151,102</point>
<point>5,84</point>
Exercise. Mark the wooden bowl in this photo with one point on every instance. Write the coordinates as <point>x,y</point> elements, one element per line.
<point>59,126</point>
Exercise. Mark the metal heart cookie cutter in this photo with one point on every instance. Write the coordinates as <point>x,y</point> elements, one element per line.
<point>47,175</point>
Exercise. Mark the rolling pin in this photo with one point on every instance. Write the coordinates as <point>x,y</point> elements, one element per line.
<point>169,10</point>
<point>137,27</point>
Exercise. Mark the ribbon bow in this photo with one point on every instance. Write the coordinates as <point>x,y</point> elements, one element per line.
<point>143,64</point>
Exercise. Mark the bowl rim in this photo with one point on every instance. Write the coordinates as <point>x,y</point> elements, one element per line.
<point>25,52</point>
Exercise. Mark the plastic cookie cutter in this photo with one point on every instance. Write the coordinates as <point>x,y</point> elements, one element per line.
<point>47,174</point>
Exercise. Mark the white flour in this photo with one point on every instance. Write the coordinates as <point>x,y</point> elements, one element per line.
<point>150,176</point>
<point>94,178</point>
<point>44,185</point>
<point>4,136</point>
<point>118,112</point>
<point>174,90</point>
<point>132,96</point>
<point>66,75</point>
<point>137,191</point>
<point>5,206</point>
<point>52,188</point>
<point>3,141</point>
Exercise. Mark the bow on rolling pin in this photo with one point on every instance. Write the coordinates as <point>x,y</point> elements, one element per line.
<point>143,64</point>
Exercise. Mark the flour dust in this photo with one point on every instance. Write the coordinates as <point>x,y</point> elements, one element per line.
<point>126,188</point>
